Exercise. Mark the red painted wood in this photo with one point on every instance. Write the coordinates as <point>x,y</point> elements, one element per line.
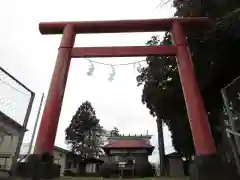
<point>49,123</point>
<point>118,26</point>
<point>202,136</point>
<point>124,51</point>
<point>203,140</point>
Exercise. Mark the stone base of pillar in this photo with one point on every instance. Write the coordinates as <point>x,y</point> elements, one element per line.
<point>39,167</point>
<point>211,167</point>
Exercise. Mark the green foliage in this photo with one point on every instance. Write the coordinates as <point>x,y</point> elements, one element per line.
<point>84,133</point>
<point>214,53</point>
<point>115,132</point>
<point>144,170</point>
<point>162,93</point>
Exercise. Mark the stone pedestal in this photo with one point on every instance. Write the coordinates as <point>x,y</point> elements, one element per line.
<point>212,167</point>
<point>38,168</point>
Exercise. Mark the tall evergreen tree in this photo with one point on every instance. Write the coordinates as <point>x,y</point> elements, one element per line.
<point>84,133</point>
<point>214,53</point>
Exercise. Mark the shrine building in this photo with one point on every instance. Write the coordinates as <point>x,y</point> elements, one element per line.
<point>128,151</point>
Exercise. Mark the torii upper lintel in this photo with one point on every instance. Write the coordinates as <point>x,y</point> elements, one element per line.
<point>123,26</point>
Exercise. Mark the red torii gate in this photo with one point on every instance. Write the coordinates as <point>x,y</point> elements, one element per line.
<point>203,140</point>
<point>207,165</point>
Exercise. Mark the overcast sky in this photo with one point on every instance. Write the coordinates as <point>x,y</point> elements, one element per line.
<point>30,57</point>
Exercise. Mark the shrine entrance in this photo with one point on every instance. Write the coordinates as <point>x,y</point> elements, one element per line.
<point>203,140</point>
<point>207,165</point>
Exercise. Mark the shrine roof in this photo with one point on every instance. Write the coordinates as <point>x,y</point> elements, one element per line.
<point>128,143</point>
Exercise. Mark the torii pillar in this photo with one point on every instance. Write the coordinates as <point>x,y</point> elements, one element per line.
<point>207,166</point>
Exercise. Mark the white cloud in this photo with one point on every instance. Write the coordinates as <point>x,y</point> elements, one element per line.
<point>30,57</point>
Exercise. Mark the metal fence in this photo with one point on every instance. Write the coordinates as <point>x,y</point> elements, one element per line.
<point>16,102</point>
<point>231,98</point>
<point>14,98</point>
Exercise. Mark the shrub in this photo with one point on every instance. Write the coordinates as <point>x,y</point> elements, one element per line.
<point>69,173</point>
<point>108,169</point>
<point>144,170</point>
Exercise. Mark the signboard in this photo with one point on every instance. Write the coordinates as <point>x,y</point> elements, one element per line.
<point>122,164</point>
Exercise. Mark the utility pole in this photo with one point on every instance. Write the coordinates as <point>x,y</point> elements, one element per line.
<point>35,126</point>
<point>161,146</point>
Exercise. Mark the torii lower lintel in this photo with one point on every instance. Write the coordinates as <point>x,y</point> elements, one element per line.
<point>123,51</point>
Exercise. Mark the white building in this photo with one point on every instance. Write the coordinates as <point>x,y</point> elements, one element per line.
<point>60,156</point>
<point>9,135</point>
<point>58,153</point>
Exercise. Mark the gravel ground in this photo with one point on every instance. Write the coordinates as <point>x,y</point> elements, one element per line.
<point>93,178</point>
